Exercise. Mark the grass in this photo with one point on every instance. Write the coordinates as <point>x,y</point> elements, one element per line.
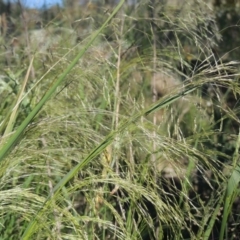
<point>92,157</point>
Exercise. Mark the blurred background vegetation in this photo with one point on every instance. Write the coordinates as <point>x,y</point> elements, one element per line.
<point>167,175</point>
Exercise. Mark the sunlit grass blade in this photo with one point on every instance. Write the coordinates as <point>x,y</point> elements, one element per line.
<point>13,115</point>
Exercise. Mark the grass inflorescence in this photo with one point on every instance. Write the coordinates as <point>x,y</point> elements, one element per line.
<point>131,131</point>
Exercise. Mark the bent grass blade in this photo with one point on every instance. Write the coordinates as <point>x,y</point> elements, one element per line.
<point>232,189</point>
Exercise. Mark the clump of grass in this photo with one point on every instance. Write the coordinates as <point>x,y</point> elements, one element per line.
<point>84,169</point>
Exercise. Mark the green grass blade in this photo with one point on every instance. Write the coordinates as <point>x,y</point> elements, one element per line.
<point>232,189</point>
<point>212,220</point>
<point>14,138</point>
<point>19,99</point>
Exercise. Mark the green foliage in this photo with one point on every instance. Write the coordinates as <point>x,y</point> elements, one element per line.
<point>89,152</point>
